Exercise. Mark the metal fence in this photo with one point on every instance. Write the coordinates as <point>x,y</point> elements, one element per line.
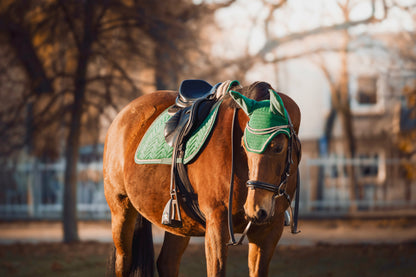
<point>381,187</point>
<point>35,190</point>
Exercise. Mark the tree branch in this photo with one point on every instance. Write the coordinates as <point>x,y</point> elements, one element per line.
<point>273,43</point>
<point>70,23</point>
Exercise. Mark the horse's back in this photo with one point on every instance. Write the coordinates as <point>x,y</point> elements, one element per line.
<point>125,133</point>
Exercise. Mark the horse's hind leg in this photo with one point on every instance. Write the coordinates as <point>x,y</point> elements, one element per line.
<point>170,256</point>
<point>123,218</point>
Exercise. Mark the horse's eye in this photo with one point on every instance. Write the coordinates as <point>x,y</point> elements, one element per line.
<point>276,147</point>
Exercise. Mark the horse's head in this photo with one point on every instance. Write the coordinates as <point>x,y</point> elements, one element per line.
<point>267,142</point>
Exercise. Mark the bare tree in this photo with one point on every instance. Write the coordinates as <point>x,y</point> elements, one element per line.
<point>75,58</point>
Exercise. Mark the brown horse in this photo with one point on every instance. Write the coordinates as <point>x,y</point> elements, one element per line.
<point>136,194</point>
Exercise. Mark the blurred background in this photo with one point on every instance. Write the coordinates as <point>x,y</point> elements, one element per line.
<point>68,67</point>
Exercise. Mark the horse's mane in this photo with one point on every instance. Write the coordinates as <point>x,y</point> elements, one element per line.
<point>257,91</point>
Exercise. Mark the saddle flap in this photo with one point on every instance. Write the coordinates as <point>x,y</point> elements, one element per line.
<point>173,126</point>
<point>186,120</point>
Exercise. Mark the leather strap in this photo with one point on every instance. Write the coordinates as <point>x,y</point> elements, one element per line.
<point>261,185</point>
<point>179,174</point>
<point>233,242</point>
<point>230,196</point>
<point>294,226</point>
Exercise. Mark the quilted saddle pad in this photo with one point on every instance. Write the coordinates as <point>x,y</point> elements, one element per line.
<point>153,148</point>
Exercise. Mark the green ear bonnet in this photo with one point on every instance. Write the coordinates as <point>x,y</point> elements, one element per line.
<point>267,119</point>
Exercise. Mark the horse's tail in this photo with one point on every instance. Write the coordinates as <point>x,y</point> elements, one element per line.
<point>142,251</point>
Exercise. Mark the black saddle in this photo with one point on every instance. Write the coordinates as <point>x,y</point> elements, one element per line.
<point>192,90</point>
<point>192,106</point>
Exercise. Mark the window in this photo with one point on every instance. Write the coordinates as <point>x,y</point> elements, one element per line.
<point>369,165</point>
<point>367,90</point>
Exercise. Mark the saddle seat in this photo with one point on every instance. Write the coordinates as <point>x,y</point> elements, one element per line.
<point>192,90</point>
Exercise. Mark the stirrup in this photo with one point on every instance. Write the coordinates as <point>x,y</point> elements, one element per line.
<point>287,218</point>
<point>168,217</point>
<point>291,221</point>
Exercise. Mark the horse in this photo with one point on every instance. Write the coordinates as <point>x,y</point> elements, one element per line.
<point>137,193</point>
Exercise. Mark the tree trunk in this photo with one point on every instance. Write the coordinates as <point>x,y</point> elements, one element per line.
<point>70,218</point>
<point>324,152</point>
<point>346,121</point>
<point>70,224</point>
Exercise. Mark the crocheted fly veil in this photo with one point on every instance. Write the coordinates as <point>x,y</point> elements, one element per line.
<point>267,119</point>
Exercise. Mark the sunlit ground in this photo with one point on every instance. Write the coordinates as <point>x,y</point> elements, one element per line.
<point>324,248</point>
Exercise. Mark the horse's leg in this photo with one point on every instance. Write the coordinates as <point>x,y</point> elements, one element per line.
<point>170,255</point>
<point>123,218</point>
<point>262,242</point>
<point>216,238</point>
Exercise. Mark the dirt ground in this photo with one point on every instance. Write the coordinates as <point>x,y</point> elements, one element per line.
<point>323,248</point>
<point>89,259</point>
<point>329,231</point>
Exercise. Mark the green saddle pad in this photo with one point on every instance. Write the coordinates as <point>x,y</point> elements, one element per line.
<point>153,148</point>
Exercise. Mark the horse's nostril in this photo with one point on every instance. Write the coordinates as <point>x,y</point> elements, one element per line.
<point>261,215</point>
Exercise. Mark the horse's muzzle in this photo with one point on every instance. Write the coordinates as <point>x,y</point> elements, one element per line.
<point>261,217</point>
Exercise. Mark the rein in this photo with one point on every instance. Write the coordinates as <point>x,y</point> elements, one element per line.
<point>230,198</point>
<point>279,190</point>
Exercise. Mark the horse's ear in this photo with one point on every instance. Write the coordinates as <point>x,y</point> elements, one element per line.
<point>245,103</point>
<point>276,103</point>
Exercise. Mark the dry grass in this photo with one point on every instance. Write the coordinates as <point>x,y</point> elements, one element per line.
<point>89,258</point>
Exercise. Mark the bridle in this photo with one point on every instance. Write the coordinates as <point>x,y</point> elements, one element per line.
<point>279,190</point>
